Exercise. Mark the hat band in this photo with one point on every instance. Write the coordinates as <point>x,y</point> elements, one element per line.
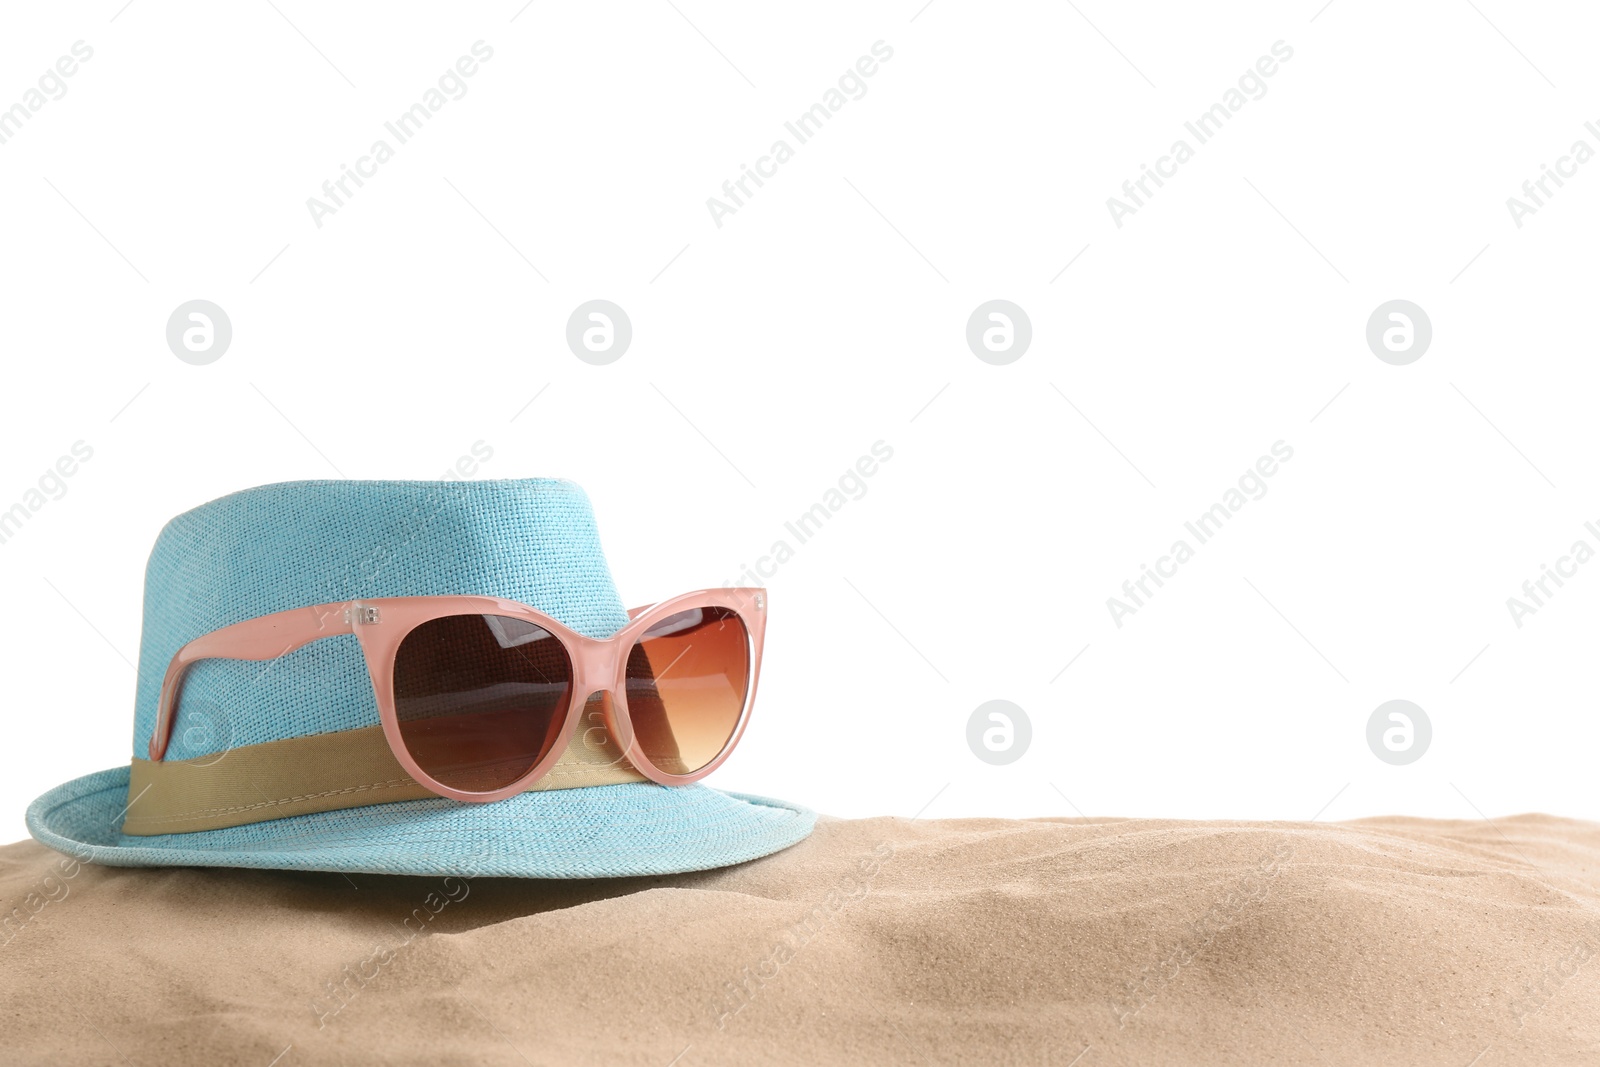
<point>319,772</point>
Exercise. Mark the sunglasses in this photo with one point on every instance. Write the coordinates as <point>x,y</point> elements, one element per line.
<point>479,697</point>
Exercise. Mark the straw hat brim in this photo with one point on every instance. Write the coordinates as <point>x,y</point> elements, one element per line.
<point>594,832</point>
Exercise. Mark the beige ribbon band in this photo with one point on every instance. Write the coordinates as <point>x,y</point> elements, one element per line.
<point>320,772</point>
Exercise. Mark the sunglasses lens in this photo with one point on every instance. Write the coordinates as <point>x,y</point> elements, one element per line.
<point>687,679</point>
<point>480,698</point>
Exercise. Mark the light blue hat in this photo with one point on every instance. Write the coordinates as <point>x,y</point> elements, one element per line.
<point>296,544</point>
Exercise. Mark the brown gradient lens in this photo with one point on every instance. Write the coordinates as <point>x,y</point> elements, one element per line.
<point>687,680</point>
<point>480,698</point>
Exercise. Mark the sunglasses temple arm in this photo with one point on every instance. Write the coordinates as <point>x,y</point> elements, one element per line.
<point>260,639</point>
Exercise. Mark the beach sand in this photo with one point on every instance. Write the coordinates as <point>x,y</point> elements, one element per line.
<point>876,941</point>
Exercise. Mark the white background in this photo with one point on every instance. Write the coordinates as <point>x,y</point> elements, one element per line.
<point>829,313</point>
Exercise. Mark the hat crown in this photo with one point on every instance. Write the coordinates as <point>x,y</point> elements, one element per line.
<point>295,544</point>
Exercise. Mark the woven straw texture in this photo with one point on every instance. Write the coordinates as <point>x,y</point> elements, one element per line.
<point>300,543</point>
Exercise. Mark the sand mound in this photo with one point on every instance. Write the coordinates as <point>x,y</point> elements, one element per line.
<point>877,941</point>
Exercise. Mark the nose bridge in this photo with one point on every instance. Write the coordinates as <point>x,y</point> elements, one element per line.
<point>603,720</point>
<point>594,668</point>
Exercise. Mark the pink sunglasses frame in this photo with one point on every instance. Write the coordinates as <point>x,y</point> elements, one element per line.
<point>599,665</point>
